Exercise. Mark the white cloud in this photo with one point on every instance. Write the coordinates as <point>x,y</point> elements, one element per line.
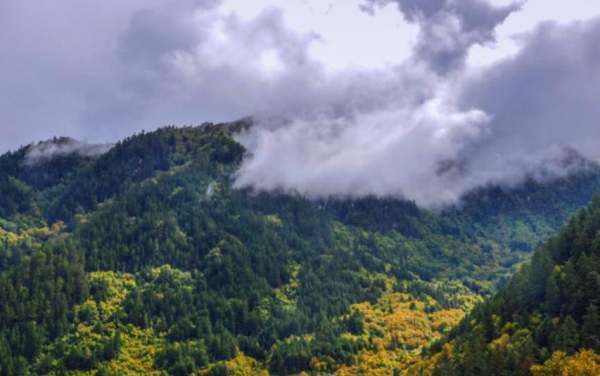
<point>398,152</point>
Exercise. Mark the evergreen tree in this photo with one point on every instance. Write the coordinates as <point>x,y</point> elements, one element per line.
<point>591,328</point>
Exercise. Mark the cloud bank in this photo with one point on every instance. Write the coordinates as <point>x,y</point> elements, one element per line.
<point>534,115</point>
<point>399,152</point>
<point>429,129</point>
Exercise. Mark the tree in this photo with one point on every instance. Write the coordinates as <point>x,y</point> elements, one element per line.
<point>591,328</point>
<point>584,363</point>
<point>566,337</point>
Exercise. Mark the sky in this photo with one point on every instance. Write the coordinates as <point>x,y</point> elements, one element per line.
<point>349,36</point>
<point>420,99</point>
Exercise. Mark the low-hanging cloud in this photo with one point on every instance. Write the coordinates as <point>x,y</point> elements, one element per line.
<point>392,152</point>
<point>46,150</point>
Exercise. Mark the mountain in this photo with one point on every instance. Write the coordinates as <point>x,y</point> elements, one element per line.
<point>545,322</point>
<point>141,257</point>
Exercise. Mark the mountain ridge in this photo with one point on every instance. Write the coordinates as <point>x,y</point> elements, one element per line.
<point>166,258</point>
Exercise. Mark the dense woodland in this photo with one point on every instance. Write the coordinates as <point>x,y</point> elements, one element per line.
<point>146,260</point>
<point>549,313</point>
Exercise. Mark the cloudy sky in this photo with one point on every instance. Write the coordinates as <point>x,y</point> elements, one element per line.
<point>424,99</point>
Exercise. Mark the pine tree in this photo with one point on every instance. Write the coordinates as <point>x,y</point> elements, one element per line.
<point>566,337</point>
<point>553,297</point>
<point>591,328</point>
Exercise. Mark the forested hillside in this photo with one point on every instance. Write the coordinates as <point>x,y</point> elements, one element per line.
<point>545,322</point>
<point>145,260</point>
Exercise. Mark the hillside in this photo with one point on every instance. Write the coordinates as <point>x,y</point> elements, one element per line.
<point>545,322</point>
<point>145,259</point>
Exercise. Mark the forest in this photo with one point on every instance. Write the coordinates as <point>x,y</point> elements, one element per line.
<point>546,321</point>
<point>146,259</point>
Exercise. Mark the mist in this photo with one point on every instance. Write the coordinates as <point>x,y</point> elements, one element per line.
<point>43,151</point>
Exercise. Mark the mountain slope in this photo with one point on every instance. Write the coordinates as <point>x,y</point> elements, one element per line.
<point>548,313</point>
<point>145,259</point>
